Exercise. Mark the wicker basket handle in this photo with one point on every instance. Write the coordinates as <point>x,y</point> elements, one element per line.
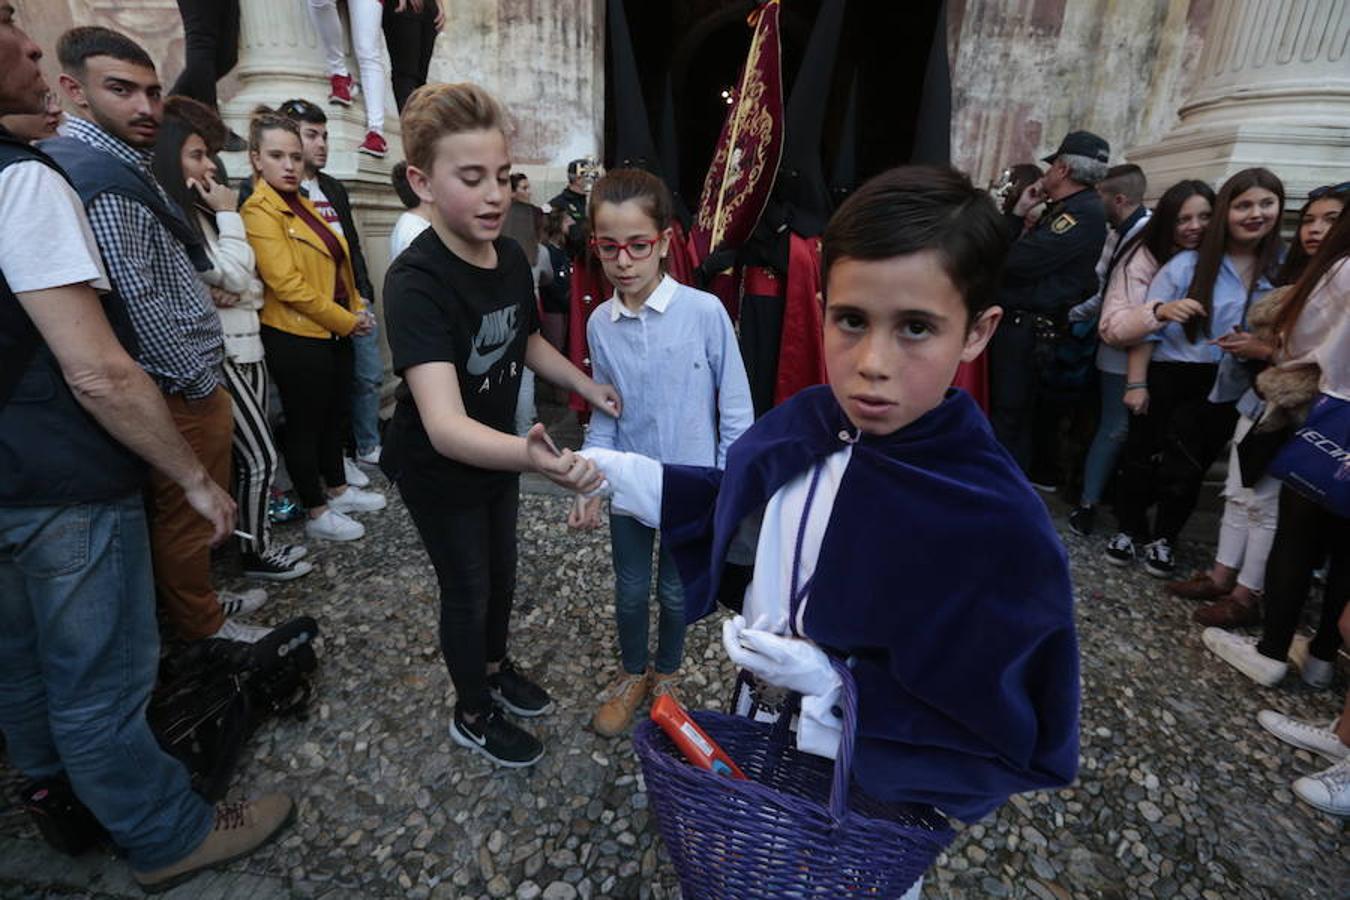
<point>843,758</point>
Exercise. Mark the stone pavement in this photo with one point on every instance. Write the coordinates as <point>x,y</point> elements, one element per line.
<point>1180,794</point>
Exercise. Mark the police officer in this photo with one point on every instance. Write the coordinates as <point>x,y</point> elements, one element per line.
<point>1050,269</point>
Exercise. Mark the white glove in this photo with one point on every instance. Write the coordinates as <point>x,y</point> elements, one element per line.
<point>798,665</point>
<point>633,481</point>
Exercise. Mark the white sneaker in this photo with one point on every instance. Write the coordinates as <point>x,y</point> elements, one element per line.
<point>1319,740</point>
<point>233,631</point>
<point>353,499</point>
<point>334,526</point>
<point>1328,790</point>
<point>241,603</point>
<point>1316,673</point>
<point>355,477</point>
<point>1239,651</point>
<point>370,457</point>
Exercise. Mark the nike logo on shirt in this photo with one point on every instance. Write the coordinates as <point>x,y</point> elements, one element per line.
<point>495,334</point>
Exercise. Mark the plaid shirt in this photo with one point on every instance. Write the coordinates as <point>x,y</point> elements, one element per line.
<point>176,324</point>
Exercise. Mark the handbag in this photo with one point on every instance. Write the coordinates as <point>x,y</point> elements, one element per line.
<point>1316,462</point>
<point>1257,450</point>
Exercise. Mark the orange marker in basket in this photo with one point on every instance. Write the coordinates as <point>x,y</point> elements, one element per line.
<point>693,741</point>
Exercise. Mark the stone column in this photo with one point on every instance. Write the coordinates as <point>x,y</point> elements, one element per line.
<point>280,58</point>
<point>1273,90</point>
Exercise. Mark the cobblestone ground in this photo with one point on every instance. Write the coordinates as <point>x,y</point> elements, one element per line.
<point>1180,793</point>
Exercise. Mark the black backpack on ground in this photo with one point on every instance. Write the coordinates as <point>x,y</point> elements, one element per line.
<point>215,694</point>
<point>65,823</point>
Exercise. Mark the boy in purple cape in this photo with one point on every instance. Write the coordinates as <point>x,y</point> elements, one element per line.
<point>889,528</point>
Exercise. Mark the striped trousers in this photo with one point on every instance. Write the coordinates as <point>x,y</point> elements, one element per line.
<point>253,450</point>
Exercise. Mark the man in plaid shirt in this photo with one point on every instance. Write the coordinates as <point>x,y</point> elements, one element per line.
<point>153,257</point>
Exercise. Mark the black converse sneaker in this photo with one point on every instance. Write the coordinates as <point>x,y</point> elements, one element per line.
<point>1158,560</point>
<point>276,564</point>
<point>509,687</point>
<point>1120,550</point>
<point>497,738</point>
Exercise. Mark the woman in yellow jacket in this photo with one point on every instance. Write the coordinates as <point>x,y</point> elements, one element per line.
<point>310,310</point>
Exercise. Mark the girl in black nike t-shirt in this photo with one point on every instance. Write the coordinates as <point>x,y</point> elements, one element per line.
<point>462,323</point>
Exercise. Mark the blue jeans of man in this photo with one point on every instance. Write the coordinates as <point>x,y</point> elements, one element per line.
<point>79,650</point>
<point>1112,428</point>
<point>368,374</point>
<point>631,543</point>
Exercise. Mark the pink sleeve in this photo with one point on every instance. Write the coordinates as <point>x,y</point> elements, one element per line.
<point>1126,318</point>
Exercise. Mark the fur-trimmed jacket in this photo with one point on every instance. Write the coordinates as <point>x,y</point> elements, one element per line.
<point>1288,389</point>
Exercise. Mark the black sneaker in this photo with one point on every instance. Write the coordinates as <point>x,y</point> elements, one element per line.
<point>497,738</point>
<point>276,565</point>
<point>1158,560</point>
<point>518,694</point>
<point>1120,550</point>
<point>1081,519</point>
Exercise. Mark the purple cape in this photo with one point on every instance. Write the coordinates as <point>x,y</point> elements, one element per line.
<point>940,577</point>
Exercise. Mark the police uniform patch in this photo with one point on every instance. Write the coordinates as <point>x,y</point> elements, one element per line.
<point>1062,223</point>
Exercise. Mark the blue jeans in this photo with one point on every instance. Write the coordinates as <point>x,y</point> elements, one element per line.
<point>79,651</point>
<point>631,542</point>
<point>369,374</point>
<point>1112,428</point>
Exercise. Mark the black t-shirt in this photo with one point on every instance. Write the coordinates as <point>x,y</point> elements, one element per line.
<point>439,308</point>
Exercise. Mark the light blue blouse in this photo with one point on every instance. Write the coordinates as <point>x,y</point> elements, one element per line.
<point>1230,303</point>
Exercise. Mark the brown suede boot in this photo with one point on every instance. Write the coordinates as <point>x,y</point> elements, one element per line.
<point>619,701</point>
<point>666,684</point>
<point>1229,613</point>
<point>240,829</point>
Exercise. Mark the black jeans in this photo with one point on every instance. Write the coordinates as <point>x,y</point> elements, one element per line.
<point>1169,449</point>
<point>314,378</point>
<point>210,46</point>
<point>1305,535</point>
<point>411,37</point>
<point>473,550</point>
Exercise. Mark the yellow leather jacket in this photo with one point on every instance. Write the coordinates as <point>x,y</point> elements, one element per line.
<point>298,272</point>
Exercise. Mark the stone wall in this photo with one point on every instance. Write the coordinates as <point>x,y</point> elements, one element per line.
<point>1025,72</point>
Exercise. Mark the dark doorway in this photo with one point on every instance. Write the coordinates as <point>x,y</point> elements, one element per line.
<point>693,50</point>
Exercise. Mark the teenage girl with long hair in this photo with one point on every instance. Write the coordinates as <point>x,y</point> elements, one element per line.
<point>1201,295</point>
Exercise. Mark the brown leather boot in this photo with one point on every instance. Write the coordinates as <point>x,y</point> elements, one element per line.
<point>1198,587</point>
<point>240,829</point>
<point>620,700</point>
<point>1229,613</point>
<point>665,684</point>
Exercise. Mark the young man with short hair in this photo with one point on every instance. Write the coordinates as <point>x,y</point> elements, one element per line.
<point>153,257</point>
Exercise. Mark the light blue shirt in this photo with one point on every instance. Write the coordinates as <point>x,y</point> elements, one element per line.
<point>676,364</point>
<point>1229,308</point>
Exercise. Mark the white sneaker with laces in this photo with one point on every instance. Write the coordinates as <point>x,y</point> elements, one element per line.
<point>241,603</point>
<point>353,499</point>
<point>370,457</point>
<point>1328,790</point>
<point>334,526</point>
<point>234,631</point>
<point>1307,736</point>
<point>1240,652</point>
<point>355,477</point>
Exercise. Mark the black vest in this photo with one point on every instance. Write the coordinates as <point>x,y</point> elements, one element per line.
<point>52,452</point>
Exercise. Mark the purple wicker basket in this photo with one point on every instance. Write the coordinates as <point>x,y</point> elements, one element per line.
<point>796,828</point>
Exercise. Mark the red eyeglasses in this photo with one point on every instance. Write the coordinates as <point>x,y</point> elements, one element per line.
<point>638,248</point>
